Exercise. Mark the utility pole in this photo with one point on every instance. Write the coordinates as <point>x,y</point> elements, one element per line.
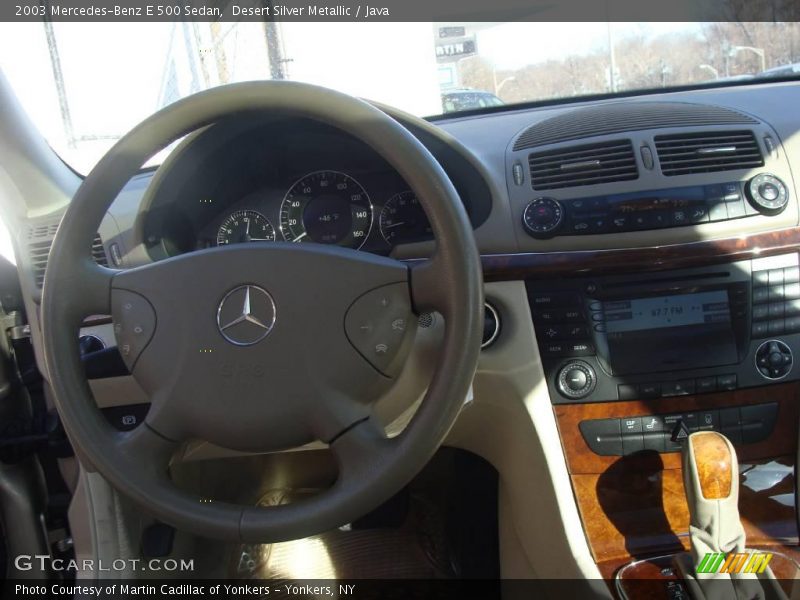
<point>612,61</point>
<point>277,63</point>
<point>58,78</point>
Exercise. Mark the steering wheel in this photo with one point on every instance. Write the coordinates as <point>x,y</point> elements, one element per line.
<point>264,346</point>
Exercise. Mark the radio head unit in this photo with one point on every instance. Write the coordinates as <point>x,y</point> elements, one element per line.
<point>671,333</point>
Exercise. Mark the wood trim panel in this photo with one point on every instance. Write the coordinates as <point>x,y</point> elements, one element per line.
<point>631,513</point>
<point>635,506</point>
<point>503,267</point>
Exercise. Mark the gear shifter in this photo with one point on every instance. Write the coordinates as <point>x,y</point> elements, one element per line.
<point>711,480</point>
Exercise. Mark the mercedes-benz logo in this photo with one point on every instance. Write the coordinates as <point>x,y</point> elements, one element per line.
<point>246,315</point>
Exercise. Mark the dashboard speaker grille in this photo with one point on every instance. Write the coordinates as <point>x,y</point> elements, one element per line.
<point>583,165</point>
<point>620,117</point>
<point>707,152</point>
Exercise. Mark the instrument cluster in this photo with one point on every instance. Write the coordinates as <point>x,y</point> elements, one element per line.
<point>325,207</point>
<point>296,182</point>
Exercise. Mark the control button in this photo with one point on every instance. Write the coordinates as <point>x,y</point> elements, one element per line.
<point>774,359</point>
<point>775,276</point>
<point>730,425</point>
<point>378,325</point>
<point>790,307</point>
<point>572,314</point>
<point>627,392</point>
<point>698,214</point>
<point>760,330</point>
<point>630,425</point>
<point>691,420</point>
<point>726,382</point>
<point>717,210</point>
<point>791,291</point>
<point>791,324</point>
<point>705,384</point>
<point>758,422</point>
<point>677,436</point>
<point>708,420</point>
<point>660,219</point>
<point>680,217</point>
<point>654,441</point>
<point>776,292</point>
<point>683,387</point>
<point>580,349</point>
<point>558,300</point>
<point>595,305</point>
<point>600,327</point>
<point>775,327</point>
<point>647,157</point>
<point>632,443</point>
<point>620,223</point>
<point>650,390</point>
<point>761,312</point>
<point>575,331</point>
<point>760,295</point>
<point>602,436</point>
<point>125,418</point>
<point>576,380</point>
<point>543,217</point>
<point>791,274</point>
<point>736,209</point>
<point>518,173</point>
<point>653,424</point>
<point>134,324</point>
<point>774,310</point>
<point>769,191</point>
<point>767,194</point>
<point>760,278</point>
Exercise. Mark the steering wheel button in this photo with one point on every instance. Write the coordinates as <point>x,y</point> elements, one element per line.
<point>134,324</point>
<point>377,325</point>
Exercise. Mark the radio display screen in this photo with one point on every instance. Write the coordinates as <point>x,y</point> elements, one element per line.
<point>680,331</point>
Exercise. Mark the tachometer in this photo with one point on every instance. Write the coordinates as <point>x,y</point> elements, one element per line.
<point>245,226</point>
<point>327,207</point>
<point>403,220</point>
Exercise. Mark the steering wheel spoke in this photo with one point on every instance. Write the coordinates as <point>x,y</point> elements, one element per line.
<point>428,282</point>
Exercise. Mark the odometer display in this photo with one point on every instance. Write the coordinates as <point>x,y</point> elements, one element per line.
<point>245,226</point>
<point>327,207</point>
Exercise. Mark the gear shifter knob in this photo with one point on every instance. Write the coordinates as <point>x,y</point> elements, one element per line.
<point>713,462</point>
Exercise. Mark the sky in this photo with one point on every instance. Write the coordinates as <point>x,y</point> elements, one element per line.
<point>113,72</point>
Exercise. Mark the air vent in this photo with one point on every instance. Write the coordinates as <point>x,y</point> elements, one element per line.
<point>707,152</point>
<point>583,165</point>
<point>39,251</point>
<point>619,117</point>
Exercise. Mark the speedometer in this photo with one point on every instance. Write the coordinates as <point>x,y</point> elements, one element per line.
<point>327,207</point>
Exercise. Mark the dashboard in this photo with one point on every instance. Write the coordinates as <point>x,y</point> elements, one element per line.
<point>246,180</point>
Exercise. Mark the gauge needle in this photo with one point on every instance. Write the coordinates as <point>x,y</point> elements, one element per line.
<point>395,225</point>
<point>252,239</point>
<point>299,237</point>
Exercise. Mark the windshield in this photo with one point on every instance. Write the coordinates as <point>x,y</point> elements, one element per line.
<point>86,84</point>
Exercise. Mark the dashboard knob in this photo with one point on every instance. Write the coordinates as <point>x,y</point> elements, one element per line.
<point>543,217</point>
<point>576,379</point>
<point>768,194</point>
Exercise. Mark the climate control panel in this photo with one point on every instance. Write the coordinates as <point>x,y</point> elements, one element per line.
<point>547,217</point>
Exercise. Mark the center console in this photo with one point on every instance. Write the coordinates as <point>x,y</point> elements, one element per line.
<point>672,333</point>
